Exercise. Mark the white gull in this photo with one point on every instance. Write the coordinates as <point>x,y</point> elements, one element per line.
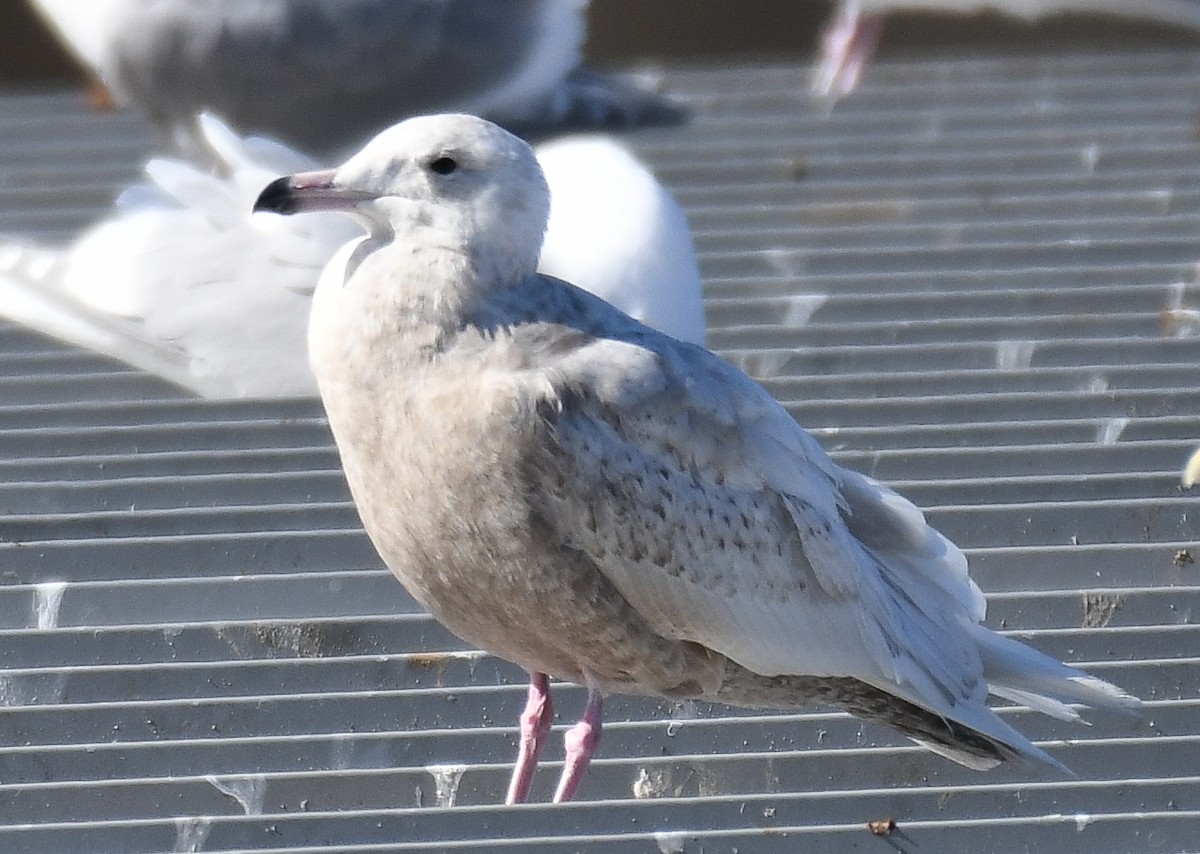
<point>185,282</point>
<point>593,500</point>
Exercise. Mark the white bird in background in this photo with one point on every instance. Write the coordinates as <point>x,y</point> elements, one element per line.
<point>640,256</point>
<point>323,75</point>
<point>184,282</point>
<point>857,25</point>
<point>596,501</point>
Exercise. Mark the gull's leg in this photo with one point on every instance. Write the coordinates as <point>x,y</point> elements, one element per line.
<point>99,96</point>
<point>846,46</point>
<point>580,741</point>
<point>535,726</point>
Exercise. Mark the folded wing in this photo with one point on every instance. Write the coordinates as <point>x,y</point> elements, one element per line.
<point>724,523</point>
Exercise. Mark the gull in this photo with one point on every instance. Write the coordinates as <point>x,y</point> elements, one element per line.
<point>638,253</point>
<point>321,75</point>
<point>857,25</point>
<point>596,501</point>
<point>184,282</point>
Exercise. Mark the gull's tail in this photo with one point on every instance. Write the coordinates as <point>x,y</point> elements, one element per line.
<point>588,100</point>
<point>975,736</point>
<point>1023,675</point>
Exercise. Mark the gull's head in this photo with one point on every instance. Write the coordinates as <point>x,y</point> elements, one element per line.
<point>476,185</point>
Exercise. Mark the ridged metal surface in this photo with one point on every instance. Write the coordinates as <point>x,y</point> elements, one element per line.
<point>957,279</point>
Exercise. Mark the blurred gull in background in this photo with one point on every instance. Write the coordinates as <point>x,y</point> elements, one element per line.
<point>640,256</point>
<point>183,281</point>
<point>857,25</point>
<point>322,75</point>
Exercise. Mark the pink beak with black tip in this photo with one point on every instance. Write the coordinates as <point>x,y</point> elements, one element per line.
<point>307,192</point>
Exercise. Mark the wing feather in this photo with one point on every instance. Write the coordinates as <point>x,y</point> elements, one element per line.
<point>724,523</point>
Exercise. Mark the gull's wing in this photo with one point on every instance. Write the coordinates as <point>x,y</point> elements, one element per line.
<point>184,281</point>
<point>233,287</point>
<point>724,523</point>
<point>32,294</point>
<point>323,75</point>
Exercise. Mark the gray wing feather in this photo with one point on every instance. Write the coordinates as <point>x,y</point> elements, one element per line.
<point>724,523</point>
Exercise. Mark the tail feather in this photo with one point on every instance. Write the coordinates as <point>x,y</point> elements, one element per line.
<point>1037,702</point>
<point>955,753</point>
<point>973,735</point>
<point>1015,670</point>
<point>590,100</point>
<point>1025,676</point>
<point>981,744</point>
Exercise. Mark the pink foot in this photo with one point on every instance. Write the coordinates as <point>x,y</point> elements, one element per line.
<point>580,741</point>
<point>535,726</point>
<point>846,46</point>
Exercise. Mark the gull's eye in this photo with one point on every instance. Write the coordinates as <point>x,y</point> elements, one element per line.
<point>444,165</point>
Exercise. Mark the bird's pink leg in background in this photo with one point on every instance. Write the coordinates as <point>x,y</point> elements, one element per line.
<point>846,46</point>
<point>535,726</point>
<point>580,741</point>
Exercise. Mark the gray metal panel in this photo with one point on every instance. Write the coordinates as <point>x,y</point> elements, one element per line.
<point>956,278</point>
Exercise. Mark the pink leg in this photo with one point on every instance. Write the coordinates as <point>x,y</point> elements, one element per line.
<point>535,726</point>
<point>580,741</point>
<point>846,46</point>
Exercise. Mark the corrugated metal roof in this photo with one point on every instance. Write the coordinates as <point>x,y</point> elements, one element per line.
<point>957,279</point>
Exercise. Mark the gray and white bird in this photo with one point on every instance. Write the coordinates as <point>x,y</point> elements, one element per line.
<point>323,76</point>
<point>596,501</point>
<point>182,281</point>
<point>856,26</point>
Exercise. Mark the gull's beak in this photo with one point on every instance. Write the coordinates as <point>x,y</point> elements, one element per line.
<point>309,191</point>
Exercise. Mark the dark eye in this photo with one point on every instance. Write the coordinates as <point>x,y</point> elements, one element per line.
<point>444,165</point>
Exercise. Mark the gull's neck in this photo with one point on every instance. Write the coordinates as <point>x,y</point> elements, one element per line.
<point>386,304</point>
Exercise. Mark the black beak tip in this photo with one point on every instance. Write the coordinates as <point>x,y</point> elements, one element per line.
<point>277,197</point>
